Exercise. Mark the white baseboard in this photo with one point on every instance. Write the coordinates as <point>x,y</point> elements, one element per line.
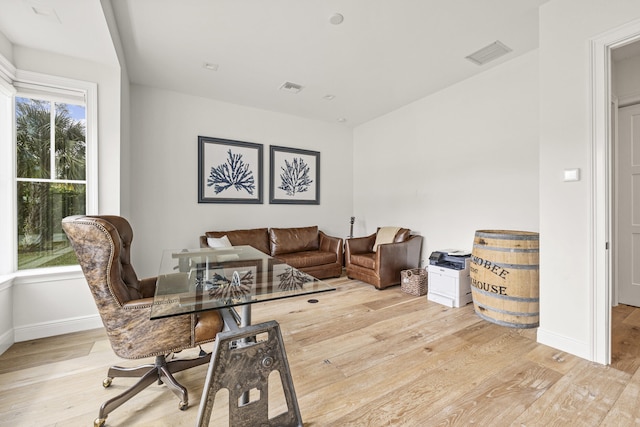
<point>564,343</point>
<point>59,327</point>
<point>6,341</point>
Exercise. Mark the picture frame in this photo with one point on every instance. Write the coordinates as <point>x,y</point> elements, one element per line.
<point>294,176</point>
<point>229,171</point>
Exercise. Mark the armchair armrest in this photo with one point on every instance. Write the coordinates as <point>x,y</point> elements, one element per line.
<point>398,256</point>
<point>331,244</point>
<point>359,245</point>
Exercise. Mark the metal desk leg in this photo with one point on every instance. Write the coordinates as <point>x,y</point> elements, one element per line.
<point>246,316</point>
<point>240,369</point>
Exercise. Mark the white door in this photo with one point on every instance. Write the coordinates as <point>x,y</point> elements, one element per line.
<point>628,205</point>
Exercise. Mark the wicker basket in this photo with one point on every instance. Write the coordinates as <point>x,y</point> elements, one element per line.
<point>414,281</point>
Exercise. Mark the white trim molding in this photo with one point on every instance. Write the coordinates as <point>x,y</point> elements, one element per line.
<point>6,340</point>
<point>631,99</point>
<point>7,70</point>
<point>59,327</point>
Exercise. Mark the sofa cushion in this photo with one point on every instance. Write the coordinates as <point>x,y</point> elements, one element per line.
<point>366,260</point>
<point>287,240</point>
<point>256,237</point>
<point>308,258</point>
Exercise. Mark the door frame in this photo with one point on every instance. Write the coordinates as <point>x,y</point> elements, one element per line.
<point>602,185</point>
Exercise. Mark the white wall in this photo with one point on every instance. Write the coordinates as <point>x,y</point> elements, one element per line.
<point>6,48</point>
<point>566,28</point>
<point>52,304</point>
<point>463,159</point>
<point>165,212</point>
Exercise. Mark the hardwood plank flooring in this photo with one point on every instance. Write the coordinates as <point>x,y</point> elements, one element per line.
<point>359,357</point>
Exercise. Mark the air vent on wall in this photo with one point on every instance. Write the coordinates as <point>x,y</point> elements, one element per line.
<point>489,53</point>
<point>291,87</point>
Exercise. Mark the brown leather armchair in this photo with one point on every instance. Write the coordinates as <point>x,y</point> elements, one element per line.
<point>381,268</point>
<point>102,245</point>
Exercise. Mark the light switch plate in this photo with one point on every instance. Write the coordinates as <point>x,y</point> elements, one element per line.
<point>572,174</point>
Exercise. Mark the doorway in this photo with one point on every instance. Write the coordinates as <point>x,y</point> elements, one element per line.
<point>624,165</point>
<point>602,284</point>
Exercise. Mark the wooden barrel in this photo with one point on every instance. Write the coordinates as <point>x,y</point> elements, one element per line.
<point>505,277</point>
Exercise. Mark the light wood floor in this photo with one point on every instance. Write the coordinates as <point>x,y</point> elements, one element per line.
<point>359,357</point>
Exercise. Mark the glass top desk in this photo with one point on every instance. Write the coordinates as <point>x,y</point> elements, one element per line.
<point>195,280</point>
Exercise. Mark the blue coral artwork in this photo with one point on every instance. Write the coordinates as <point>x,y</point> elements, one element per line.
<point>234,172</point>
<point>294,176</point>
<point>229,171</point>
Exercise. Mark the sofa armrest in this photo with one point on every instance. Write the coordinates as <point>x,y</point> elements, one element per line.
<point>331,244</point>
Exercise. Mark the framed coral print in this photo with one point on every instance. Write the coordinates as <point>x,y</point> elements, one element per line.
<point>229,171</point>
<point>294,176</point>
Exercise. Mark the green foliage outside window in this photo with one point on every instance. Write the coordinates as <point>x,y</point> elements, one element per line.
<point>51,179</point>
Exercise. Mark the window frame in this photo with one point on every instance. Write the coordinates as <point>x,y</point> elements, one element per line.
<point>33,84</point>
<point>8,215</point>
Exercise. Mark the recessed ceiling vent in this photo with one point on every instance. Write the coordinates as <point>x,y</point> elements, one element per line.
<point>45,12</point>
<point>488,53</point>
<point>291,87</point>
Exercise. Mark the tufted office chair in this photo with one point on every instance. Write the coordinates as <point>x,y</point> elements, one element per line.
<point>102,245</point>
<point>378,260</point>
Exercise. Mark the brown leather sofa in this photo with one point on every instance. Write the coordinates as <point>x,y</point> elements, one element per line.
<point>305,248</point>
<point>382,268</point>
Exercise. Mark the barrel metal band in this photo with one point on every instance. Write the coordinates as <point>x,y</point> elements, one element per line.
<point>508,236</point>
<point>510,313</point>
<point>509,324</point>
<point>503,249</point>
<point>504,297</point>
<point>512,266</point>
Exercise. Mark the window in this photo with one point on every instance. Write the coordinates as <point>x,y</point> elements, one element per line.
<point>50,178</point>
<point>55,165</point>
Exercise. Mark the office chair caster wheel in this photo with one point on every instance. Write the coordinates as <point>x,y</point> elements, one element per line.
<point>107,382</point>
<point>183,406</point>
<point>99,422</point>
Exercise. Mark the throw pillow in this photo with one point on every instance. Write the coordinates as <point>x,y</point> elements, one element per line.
<point>222,242</point>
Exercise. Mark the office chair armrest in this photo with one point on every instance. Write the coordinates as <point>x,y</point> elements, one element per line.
<point>148,287</point>
<point>138,304</point>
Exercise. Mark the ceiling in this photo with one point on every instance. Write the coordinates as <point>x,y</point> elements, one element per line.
<point>385,54</point>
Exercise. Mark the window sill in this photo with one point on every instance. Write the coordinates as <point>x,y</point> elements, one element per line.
<point>48,274</point>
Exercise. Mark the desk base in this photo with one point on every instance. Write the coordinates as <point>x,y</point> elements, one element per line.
<point>240,365</point>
